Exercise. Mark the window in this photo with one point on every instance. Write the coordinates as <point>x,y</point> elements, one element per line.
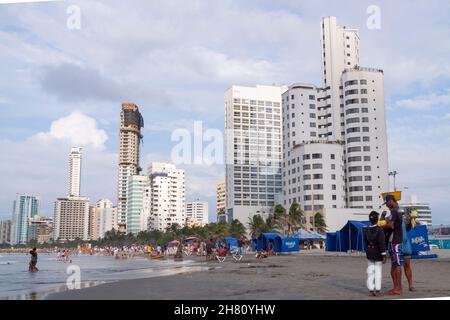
<point>363,81</point>
<point>350,83</point>
<point>365,129</point>
<point>312,106</point>
<point>312,97</point>
<point>307,187</point>
<point>332,156</point>
<point>333,177</point>
<point>318,187</point>
<point>368,188</point>
<point>367,168</point>
<point>364,100</point>
<point>306,166</point>
<point>367,178</point>
<point>307,198</point>
<point>365,119</point>
<point>333,187</point>
<point>312,115</point>
<point>350,111</point>
<point>353,149</point>
<point>317,176</point>
<point>312,125</point>
<point>352,130</point>
<point>354,168</point>
<point>354,139</point>
<point>353,179</point>
<point>352,120</point>
<point>306,156</point>
<point>355,189</point>
<point>352,101</point>
<point>307,177</point>
<point>317,156</point>
<point>366,139</point>
<point>333,166</point>
<point>355,199</point>
<point>363,91</point>
<point>365,110</point>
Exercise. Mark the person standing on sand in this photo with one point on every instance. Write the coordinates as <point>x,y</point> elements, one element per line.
<point>394,237</point>
<point>376,255</point>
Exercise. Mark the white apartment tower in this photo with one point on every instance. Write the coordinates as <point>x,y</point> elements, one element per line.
<point>334,138</point>
<point>75,172</point>
<point>197,213</point>
<point>104,218</point>
<point>130,136</point>
<point>164,201</point>
<point>253,154</point>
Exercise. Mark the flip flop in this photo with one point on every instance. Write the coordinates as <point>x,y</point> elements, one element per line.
<point>412,289</point>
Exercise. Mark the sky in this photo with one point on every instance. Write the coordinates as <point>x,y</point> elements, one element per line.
<point>66,67</point>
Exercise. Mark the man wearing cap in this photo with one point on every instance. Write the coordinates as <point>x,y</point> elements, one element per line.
<point>394,237</point>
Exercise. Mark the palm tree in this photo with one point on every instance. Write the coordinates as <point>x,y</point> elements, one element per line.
<point>294,219</point>
<point>257,225</point>
<point>237,229</point>
<point>319,223</point>
<point>276,221</point>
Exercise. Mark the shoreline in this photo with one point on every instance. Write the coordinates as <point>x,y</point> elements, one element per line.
<point>301,276</point>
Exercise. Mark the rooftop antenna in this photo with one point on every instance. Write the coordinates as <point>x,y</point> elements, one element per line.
<point>394,173</point>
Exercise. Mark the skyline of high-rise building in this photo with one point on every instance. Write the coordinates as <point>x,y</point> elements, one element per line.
<point>103,218</point>
<point>71,213</point>
<point>25,207</point>
<point>75,172</point>
<point>136,217</point>
<point>131,122</point>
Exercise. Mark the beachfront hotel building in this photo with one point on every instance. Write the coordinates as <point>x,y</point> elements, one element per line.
<point>253,154</point>
<point>334,138</point>
<point>130,136</point>
<point>25,207</point>
<point>40,229</point>
<point>5,231</point>
<point>197,214</point>
<point>423,209</point>
<point>136,218</point>
<point>103,218</point>
<point>75,172</point>
<point>71,213</point>
<point>221,200</point>
<point>71,219</point>
<point>164,201</point>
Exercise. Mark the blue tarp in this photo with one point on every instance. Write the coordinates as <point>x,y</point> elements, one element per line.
<point>331,241</point>
<point>232,243</point>
<point>254,245</point>
<point>290,244</point>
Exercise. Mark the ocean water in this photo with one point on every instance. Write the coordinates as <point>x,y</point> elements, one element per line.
<point>17,283</point>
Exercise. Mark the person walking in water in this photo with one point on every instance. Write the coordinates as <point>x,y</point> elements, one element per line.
<point>33,262</point>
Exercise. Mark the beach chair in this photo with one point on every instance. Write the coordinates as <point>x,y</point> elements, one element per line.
<point>237,255</point>
<point>221,255</point>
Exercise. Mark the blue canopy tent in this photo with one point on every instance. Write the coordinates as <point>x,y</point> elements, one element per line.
<point>352,236</point>
<point>290,244</point>
<point>232,243</point>
<point>331,242</point>
<point>266,238</point>
<point>302,235</point>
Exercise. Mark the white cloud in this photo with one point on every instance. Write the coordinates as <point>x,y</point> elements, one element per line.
<point>425,101</point>
<point>78,129</point>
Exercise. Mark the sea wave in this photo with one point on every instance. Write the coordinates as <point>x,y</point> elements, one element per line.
<point>8,262</point>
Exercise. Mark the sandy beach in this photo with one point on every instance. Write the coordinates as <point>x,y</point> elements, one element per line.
<point>308,275</point>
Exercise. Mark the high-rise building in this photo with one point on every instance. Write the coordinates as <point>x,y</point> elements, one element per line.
<point>25,207</point>
<point>197,213</point>
<point>253,154</point>
<point>40,229</point>
<point>75,172</point>
<point>5,231</point>
<point>164,197</point>
<point>71,219</point>
<point>221,201</point>
<point>130,136</point>
<point>423,209</point>
<point>136,218</point>
<point>103,218</point>
<point>71,213</point>
<point>334,138</point>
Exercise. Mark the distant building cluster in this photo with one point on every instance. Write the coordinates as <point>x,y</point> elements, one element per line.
<point>324,148</point>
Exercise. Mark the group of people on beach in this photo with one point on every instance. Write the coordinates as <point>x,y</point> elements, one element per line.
<point>388,234</point>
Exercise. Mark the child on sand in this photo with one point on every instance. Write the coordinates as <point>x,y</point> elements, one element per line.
<point>376,254</point>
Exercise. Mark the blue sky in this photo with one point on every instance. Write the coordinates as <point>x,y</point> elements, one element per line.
<point>61,87</point>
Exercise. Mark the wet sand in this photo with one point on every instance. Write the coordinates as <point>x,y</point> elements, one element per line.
<point>308,275</point>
